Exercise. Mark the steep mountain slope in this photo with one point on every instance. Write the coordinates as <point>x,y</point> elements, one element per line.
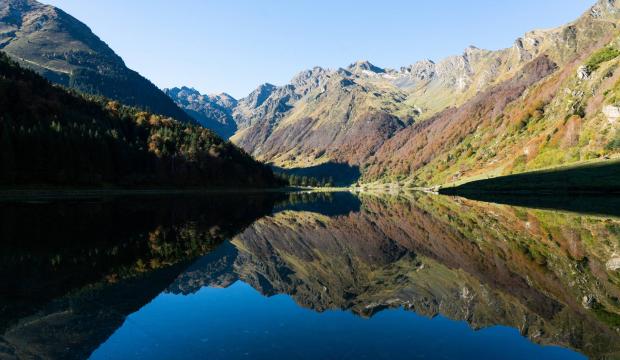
<point>50,136</point>
<point>557,109</point>
<point>65,51</point>
<point>211,111</point>
<point>321,116</point>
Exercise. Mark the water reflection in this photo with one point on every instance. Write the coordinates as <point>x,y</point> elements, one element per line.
<point>70,271</point>
<point>303,272</point>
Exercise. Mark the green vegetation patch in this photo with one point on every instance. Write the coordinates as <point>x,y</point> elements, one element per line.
<point>605,316</point>
<point>601,56</point>
<point>614,144</point>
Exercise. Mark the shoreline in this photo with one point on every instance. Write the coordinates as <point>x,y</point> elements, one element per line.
<point>7,194</point>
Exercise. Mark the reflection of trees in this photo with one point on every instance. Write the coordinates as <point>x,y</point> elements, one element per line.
<point>51,249</point>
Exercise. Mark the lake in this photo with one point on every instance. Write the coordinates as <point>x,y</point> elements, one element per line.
<point>309,276</point>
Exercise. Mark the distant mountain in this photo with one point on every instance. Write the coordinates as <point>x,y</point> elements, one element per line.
<point>49,136</point>
<point>552,98</point>
<point>322,115</point>
<point>64,50</point>
<point>211,111</point>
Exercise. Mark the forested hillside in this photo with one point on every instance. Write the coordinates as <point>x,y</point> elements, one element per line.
<point>51,136</point>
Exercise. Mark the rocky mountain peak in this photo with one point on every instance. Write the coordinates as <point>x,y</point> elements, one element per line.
<point>364,66</point>
<point>226,96</point>
<point>472,50</point>
<point>606,9</point>
<point>309,79</point>
<point>421,70</point>
<point>211,111</point>
<point>258,96</point>
<point>308,75</point>
<point>182,92</point>
<point>18,5</point>
<point>185,95</point>
<point>66,51</point>
<point>225,100</point>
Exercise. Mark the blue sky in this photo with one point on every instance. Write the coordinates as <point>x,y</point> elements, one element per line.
<point>235,45</point>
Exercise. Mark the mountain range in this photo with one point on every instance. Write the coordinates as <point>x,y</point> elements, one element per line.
<point>211,111</point>
<point>552,98</point>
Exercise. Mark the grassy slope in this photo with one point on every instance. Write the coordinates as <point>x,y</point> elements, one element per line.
<point>597,177</point>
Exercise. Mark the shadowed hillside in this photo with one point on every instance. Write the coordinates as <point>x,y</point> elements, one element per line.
<point>600,177</point>
<point>49,136</point>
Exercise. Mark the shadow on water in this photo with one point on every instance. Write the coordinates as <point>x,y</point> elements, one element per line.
<point>341,174</point>
<point>605,205</point>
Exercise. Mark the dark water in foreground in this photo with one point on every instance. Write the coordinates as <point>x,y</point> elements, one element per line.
<point>322,276</point>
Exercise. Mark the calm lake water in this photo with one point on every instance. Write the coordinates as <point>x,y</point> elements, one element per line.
<point>309,276</point>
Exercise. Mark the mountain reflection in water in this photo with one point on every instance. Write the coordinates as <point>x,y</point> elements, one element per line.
<point>307,276</point>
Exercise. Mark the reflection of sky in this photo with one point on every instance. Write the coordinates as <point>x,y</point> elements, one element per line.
<point>240,323</point>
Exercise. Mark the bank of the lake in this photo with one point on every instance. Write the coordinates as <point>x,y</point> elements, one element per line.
<point>589,178</point>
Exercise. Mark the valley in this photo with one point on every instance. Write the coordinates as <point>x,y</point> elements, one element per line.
<point>454,208</point>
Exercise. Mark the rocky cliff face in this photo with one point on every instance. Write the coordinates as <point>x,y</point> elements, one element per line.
<point>64,50</point>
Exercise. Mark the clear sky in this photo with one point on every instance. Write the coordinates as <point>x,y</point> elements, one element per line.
<point>235,45</point>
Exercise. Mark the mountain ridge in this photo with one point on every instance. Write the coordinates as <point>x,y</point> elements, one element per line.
<point>65,51</point>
